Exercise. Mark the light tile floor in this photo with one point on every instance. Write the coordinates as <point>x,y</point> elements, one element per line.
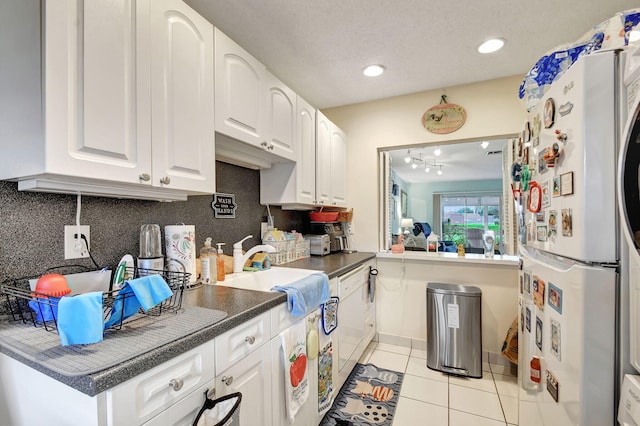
<point>447,400</point>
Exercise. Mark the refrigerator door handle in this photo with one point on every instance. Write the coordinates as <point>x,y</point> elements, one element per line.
<point>554,263</point>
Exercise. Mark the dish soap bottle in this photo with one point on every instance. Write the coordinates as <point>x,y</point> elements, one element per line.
<point>220,262</point>
<point>207,262</point>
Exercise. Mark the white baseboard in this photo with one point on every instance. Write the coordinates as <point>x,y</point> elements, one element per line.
<point>491,357</point>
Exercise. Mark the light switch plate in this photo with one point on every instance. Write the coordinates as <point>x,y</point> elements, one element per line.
<point>76,248</point>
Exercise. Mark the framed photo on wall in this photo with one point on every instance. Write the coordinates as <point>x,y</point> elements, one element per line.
<point>403,202</point>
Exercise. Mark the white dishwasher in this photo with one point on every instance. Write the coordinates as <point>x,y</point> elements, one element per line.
<point>351,325</point>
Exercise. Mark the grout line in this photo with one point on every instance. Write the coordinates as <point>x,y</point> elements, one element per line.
<point>448,400</point>
<point>477,415</point>
<point>504,415</point>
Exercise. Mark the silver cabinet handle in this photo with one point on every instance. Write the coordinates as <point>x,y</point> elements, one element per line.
<point>145,177</point>
<point>165,180</point>
<point>250,340</point>
<point>227,380</point>
<point>176,384</point>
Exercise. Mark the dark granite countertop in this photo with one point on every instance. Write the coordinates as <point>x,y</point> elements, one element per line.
<point>240,306</point>
<point>332,264</point>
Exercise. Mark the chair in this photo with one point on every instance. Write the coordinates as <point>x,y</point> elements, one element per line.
<point>474,238</point>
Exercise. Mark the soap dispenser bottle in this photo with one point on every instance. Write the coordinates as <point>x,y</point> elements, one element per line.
<point>207,262</point>
<point>220,262</point>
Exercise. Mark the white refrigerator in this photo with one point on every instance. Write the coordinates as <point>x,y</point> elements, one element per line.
<point>570,248</point>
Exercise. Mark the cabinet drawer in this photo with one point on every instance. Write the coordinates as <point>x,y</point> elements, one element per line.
<point>240,341</point>
<point>141,398</point>
<point>350,282</point>
<point>184,412</point>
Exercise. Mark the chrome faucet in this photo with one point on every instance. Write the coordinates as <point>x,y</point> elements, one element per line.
<point>239,259</point>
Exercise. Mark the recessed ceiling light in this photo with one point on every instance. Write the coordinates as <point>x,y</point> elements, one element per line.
<point>439,172</point>
<point>484,145</point>
<point>373,70</point>
<point>437,152</point>
<point>634,36</point>
<point>414,165</point>
<point>491,46</point>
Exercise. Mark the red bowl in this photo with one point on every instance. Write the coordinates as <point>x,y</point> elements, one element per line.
<point>54,285</point>
<point>323,216</point>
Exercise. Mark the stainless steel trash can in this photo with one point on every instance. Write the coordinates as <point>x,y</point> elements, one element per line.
<point>454,329</point>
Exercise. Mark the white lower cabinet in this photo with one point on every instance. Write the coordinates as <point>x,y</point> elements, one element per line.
<point>250,376</point>
<point>246,359</point>
<point>157,390</point>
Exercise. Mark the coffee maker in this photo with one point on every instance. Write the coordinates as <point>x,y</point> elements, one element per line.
<point>338,238</point>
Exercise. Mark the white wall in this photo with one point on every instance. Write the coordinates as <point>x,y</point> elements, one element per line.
<point>401,295</point>
<point>493,110</point>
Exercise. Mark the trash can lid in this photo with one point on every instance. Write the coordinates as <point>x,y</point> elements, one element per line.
<point>462,290</point>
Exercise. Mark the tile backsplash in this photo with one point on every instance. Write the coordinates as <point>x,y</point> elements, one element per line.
<point>32,224</point>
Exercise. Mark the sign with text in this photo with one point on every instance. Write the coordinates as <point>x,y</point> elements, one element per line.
<point>224,206</point>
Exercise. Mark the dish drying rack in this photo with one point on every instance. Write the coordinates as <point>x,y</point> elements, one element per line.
<point>40,310</point>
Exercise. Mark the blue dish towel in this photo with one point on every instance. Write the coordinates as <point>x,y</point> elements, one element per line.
<point>80,319</point>
<point>306,294</point>
<point>145,292</point>
<point>45,309</point>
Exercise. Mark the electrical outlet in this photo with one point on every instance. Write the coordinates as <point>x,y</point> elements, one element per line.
<point>75,248</point>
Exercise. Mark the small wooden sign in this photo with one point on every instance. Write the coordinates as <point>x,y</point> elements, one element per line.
<point>444,117</point>
<point>224,206</point>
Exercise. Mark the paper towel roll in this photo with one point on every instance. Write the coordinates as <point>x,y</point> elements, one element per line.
<point>180,241</point>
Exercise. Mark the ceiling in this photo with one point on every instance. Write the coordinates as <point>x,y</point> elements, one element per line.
<point>458,161</point>
<point>319,48</point>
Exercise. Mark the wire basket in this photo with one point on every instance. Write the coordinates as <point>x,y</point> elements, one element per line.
<point>41,310</point>
<point>345,216</point>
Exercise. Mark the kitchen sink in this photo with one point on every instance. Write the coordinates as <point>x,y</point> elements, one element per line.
<point>265,280</point>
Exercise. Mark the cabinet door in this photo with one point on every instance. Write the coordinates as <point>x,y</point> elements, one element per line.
<point>338,167</point>
<point>239,92</point>
<point>280,119</point>
<point>323,160</point>
<point>182,98</point>
<point>252,377</point>
<point>97,121</point>
<point>306,158</point>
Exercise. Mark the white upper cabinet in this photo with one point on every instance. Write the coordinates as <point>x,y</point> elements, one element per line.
<point>127,87</point>
<point>338,167</point>
<point>97,100</point>
<point>182,94</point>
<point>281,118</point>
<point>331,150</point>
<point>294,184</point>
<point>306,170</point>
<point>255,112</point>
<point>323,160</point>
<point>240,97</point>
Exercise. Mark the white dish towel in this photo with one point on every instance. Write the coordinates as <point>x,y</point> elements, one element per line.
<point>294,349</point>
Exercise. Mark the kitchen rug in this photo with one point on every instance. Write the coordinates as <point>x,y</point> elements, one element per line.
<point>369,396</point>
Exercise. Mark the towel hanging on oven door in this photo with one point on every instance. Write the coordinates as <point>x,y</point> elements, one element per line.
<point>373,272</point>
